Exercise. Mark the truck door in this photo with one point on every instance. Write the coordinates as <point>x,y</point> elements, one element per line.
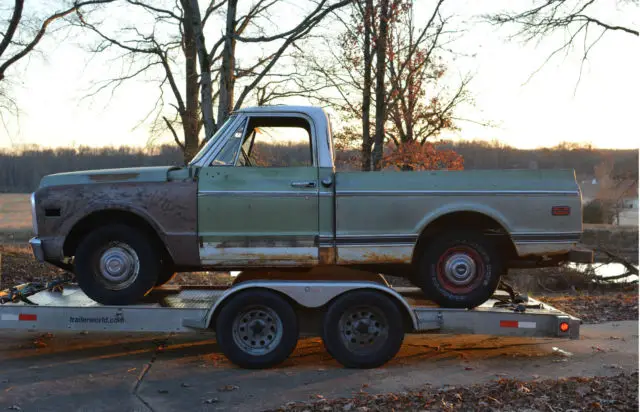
<point>258,198</point>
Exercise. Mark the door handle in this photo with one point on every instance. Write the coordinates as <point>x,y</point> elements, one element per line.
<point>309,184</point>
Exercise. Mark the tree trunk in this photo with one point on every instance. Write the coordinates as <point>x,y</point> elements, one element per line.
<point>381,59</point>
<point>206,92</point>
<point>366,91</point>
<point>227,80</point>
<point>190,115</point>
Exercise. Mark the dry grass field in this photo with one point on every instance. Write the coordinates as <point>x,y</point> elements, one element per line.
<point>15,212</point>
<point>15,218</point>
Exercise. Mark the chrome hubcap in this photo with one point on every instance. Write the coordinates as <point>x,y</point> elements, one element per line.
<point>460,269</point>
<point>258,330</point>
<point>119,265</point>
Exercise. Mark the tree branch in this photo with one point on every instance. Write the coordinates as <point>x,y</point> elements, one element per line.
<point>173,131</point>
<point>30,46</point>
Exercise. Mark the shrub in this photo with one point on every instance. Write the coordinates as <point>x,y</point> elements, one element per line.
<point>599,211</point>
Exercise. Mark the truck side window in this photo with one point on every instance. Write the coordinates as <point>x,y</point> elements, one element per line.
<point>229,152</point>
<point>277,142</point>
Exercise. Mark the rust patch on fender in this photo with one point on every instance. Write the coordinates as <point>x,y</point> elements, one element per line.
<point>113,176</point>
<point>169,207</point>
<point>372,257</point>
<point>327,255</point>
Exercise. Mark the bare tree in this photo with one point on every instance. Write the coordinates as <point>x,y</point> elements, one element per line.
<point>19,40</point>
<point>381,61</point>
<point>176,36</point>
<point>583,22</point>
<point>367,143</point>
<point>410,103</point>
<point>418,110</point>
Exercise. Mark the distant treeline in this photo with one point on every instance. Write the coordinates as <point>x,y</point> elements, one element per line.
<point>21,170</point>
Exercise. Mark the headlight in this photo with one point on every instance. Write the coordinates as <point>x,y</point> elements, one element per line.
<point>34,219</point>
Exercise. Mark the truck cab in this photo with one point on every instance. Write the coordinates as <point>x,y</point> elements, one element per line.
<point>259,207</point>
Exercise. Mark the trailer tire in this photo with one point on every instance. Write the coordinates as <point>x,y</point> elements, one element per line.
<point>460,269</point>
<point>116,265</point>
<point>257,329</point>
<point>363,329</point>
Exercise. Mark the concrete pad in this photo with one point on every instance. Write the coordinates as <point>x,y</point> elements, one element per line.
<point>136,372</point>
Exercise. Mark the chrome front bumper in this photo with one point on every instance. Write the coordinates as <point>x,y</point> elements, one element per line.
<point>36,247</point>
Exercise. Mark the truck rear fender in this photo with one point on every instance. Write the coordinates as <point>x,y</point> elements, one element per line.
<point>458,215</point>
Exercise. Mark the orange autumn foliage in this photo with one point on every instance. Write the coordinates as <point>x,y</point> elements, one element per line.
<point>412,155</point>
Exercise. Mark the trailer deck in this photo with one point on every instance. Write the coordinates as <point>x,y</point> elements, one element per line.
<point>186,309</point>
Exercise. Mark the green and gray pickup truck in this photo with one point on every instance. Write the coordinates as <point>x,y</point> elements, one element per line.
<point>262,196</point>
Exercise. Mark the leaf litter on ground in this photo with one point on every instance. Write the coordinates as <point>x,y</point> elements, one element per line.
<point>611,393</point>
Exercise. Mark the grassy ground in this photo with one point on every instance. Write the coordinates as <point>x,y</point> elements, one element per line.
<point>15,218</point>
<point>15,212</point>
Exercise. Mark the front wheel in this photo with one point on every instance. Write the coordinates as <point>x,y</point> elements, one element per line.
<point>116,265</point>
<point>460,269</point>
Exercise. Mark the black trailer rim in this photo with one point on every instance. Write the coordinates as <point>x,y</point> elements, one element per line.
<point>257,330</point>
<point>363,329</point>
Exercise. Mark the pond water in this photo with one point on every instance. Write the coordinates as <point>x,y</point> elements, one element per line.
<point>605,270</point>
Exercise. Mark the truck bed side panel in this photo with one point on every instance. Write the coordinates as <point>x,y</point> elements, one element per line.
<point>379,216</point>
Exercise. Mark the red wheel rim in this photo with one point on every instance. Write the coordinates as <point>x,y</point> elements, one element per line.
<point>460,269</point>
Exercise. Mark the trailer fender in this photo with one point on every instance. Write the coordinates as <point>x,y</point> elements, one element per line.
<point>307,294</point>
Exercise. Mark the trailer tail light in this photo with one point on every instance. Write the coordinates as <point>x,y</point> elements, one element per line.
<point>560,210</point>
<point>564,326</point>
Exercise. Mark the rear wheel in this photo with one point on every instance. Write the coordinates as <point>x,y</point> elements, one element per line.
<point>116,265</point>
<point>460,269</point>
<point>363,329</point>
<point>257,329</point>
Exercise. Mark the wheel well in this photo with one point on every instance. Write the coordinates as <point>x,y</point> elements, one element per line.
<point>212,321</point>
<point>469,221</point>
<point>107,217</point>
<point>320,310</point>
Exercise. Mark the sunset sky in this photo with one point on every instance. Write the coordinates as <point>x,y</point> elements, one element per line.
<point>603,111</point>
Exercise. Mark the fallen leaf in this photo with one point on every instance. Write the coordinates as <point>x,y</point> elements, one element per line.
<point>228,388</point>
<point>211,400</point>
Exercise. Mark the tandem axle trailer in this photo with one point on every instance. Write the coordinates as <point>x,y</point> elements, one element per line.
<point>257,322</point>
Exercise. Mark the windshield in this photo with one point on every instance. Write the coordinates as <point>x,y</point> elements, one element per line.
<point>222,130</point>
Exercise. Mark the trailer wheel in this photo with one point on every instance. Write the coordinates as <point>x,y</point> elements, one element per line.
<point>116,265</point>
<point>257,329</point>
<point>460,270</point>
<point>363,329</point>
